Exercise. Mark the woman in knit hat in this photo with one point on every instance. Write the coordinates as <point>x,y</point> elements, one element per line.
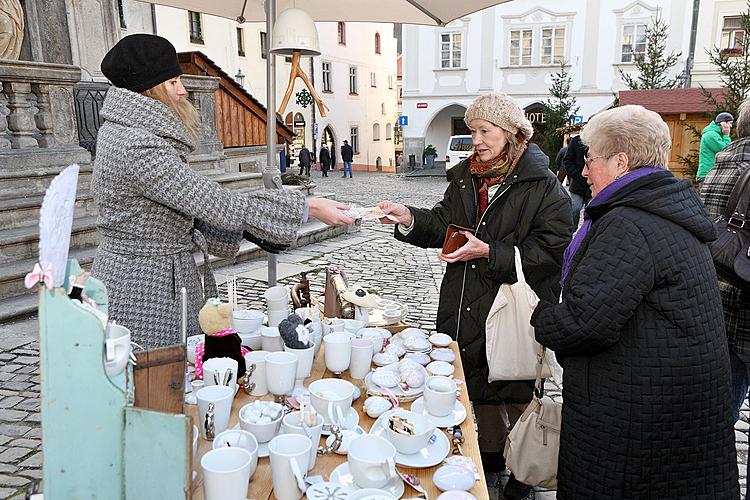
<point>155,211</point>
<point>507,195</point>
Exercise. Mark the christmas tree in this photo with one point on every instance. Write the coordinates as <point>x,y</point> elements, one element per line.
<point>560,109</point>
<point>654,64</point>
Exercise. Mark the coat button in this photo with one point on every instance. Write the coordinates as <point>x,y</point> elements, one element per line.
<point>484,223</point>
<point>468,308</point>
<point>473,266</point>
<point>463,350</point>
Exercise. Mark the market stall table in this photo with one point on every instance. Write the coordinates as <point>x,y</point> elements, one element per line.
<point>261,486</point>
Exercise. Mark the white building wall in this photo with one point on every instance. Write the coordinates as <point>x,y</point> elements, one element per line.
<point>710,22</point>
<point>593,30</point>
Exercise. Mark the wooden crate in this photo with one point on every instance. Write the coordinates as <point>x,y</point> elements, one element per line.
<point>159,377</point>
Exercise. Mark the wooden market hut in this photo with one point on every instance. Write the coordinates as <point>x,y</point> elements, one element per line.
<point>680,108</point>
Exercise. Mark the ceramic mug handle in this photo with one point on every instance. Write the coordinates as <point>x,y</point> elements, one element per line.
<point>297,474</point>
<point>340,415</point>
<point>389,468</point>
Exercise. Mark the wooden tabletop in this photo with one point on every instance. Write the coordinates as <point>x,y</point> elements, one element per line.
<point>261,486</point>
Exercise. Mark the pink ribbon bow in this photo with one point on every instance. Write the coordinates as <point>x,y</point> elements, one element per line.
<point>39,276</point>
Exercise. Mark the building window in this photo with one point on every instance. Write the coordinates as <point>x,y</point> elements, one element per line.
<point>326,77</point>
<point>450,50</point>
<point>196,28</point>
<point>121,13</point>
<point>553,45</point>
<point>390,81</point>
<point>520,47</point>
<point>241,42</point>
<point>382,108</point>
<point>377,43</point>
<point>373,79</point>
<point>354,139</point>
<point>263,45</point>
<point>732,34</point>
<point>388,132</point>
<point>342,33</point>
<point>376,132</point>
<point>352,80</point>
<point>633,41</point>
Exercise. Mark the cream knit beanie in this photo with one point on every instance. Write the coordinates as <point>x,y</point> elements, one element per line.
<point>501,110</point>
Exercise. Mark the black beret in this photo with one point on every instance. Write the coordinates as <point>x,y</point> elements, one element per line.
<point>139,62</point>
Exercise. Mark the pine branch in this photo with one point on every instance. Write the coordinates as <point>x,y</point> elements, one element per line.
<point>653,67</point>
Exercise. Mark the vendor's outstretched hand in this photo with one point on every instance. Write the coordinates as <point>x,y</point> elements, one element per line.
<point>329,211</point>
<point>473,249</point>
<point>397,210</point>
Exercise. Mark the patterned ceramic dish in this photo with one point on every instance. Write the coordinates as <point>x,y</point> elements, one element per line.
<point>440,368</point>
<point>443,354</point>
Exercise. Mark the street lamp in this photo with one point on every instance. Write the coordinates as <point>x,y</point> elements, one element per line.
<point>240,78</point>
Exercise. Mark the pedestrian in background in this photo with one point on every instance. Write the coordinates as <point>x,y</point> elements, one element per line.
<point>305,159</point>
<point>347,156</point>
<point>640,329</point>
<point>573,163</point>
<point>507,194</point>
<point>560,171</point>
<point>720,181</point>
<point>714,138</point>
<point>325,159</point>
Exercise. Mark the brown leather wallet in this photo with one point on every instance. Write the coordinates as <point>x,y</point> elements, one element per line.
<point>455,240</point>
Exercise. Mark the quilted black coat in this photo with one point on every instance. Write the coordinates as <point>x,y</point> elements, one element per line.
<point>640,331</point>
<point>530,210</point>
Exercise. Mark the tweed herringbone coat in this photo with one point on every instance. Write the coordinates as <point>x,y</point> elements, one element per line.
<point>154,212</point>
<point>640,331</point>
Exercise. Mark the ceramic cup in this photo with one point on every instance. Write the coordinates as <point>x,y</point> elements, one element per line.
<point>226,473</point>
<point>277,298</point>
<point>116,349</point>
<point>270,339</point>
<point>281,372</point>
<point>361,359</point>
<point>214,408</point>
<point>237,438</point>
<point>276,316</point>
<point>305,359</point>
<point>336,324</point>
<point>338,352</point>
<point>292,424</point>
<point>215,370</point>
<point>255,361</point>
<point>263,432</point>
<point>247,320</point>
<point>371,461</point>
<point>423,431</point>
<point>440,395</point>
<point>331,398</point>
<point>289,455</point>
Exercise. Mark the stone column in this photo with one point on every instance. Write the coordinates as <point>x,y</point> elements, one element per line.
<point>4,141</point>
<point>43,117</point>
<point>94,29</point>
<point>201,92</point>
<point>21,120</point>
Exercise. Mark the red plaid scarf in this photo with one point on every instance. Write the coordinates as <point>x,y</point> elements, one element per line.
<point>493,172</point>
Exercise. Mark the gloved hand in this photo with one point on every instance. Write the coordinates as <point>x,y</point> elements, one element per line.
<point>263,244</point>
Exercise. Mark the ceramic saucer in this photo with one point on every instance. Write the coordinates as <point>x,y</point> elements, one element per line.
<point>440,368</point>
<point>443,354</point>
<point>328,491</point>
<point>351,420</point>
<point>456,417</point>
<point>440,340</point>
<point>341,475</point>
<point>371,494</point>
<point>429,456</point>
<point>343,449</point>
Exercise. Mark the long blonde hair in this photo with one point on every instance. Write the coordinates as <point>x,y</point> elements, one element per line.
<point>182,107</point>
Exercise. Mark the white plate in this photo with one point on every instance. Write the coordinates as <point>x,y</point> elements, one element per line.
<point>328,491</point>
<point>342,476</point>
<point>370,494</point>
<point>440,340</point>
<point>344,448</point>
<point>351,420</point>
<point>440,368</point>
<point>456,417</point>
<point>409,395</point>
<point>429,456</point>
<point>408,332</point>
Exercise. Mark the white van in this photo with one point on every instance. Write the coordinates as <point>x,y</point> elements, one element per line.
<point>459,147</point>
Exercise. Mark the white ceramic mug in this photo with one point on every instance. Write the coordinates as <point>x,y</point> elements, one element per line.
<point>238,438</point>
<point>270,339</point>
<point>331,393</point>
<point>292,424</point>
<point>336,325</point>
<point>215,370</point>
<point>372,461</point>
<point>256,372</point>
<point>277,299</point>
<point>116,349</point>
<point>214,408</point>
<point>281,372</point>
<point>361,359</point>
<point>305,359</point>
<point>338,352</point>
<point>276,316</point>
<point>440,395</point>
<point>289,459</point>
<point>226,473</point>
<point>247,320</point>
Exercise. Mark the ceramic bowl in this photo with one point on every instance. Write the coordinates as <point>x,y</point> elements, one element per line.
<point>247,320</point>
<point>416,344</point>
<point>413,332</point>
<point>443,354</point>
<point>440,368</point>
<point>423,431</point>
<point>453,478</point>
<point>384,358</point>
<point>192,343</point>
<point>440,339</point>
<point>263,432</point>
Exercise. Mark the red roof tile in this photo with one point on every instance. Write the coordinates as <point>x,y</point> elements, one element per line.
<point>671,100</point>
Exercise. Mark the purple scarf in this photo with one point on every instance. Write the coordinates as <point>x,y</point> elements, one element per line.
<point>600,199</point>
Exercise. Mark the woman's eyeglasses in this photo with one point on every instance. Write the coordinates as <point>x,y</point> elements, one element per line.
<point>587,161</point>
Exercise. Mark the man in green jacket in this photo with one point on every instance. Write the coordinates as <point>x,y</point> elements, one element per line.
<point>715,137</point>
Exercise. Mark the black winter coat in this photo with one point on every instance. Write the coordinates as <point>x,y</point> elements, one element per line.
<point>573,163</point>
<point>646,394</point>
<point>530,210</point>
<point>347,153</point>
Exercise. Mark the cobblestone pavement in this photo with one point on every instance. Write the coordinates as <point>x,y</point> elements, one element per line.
<point>370,256</point>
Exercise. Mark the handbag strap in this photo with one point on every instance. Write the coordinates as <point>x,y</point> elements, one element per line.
<point>538,389</point>
<point>741,191</point>
<point>519,267</point>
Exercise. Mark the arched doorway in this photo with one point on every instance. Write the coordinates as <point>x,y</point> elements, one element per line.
<point>329,138</point>
<point>446,122</point>
<point>538,118</point>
